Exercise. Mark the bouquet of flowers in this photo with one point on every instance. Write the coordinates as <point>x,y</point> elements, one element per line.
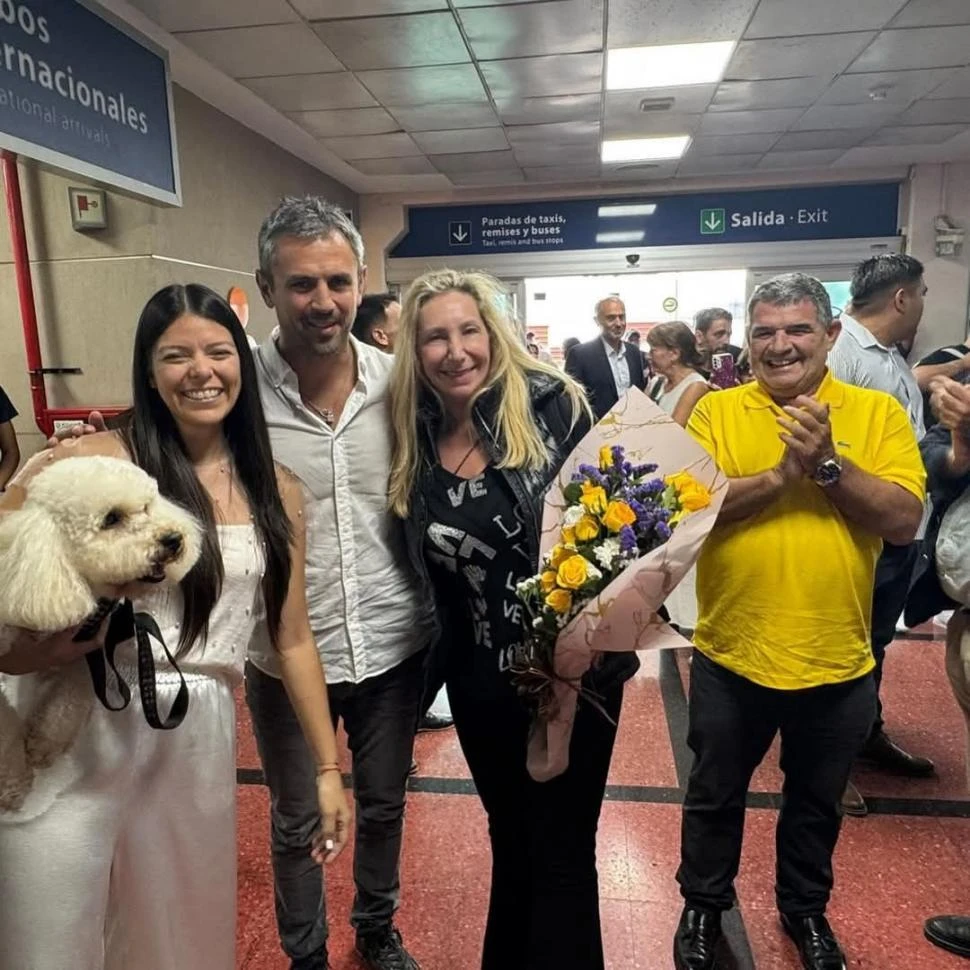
<point>619,533</point>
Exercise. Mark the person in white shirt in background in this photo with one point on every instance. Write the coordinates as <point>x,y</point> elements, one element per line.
<point>325,396</point>
<point>886,306</point>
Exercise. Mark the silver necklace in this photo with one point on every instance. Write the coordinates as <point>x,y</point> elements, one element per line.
<point>326,413</point>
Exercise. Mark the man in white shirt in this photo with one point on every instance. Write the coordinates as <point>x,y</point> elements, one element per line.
<point>607,367</point>
<point>325,396</point>
<point>886,307</point>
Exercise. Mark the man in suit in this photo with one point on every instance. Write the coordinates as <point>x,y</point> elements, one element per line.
<point>607,366</point>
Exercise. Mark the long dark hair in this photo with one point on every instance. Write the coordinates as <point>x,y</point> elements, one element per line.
<point>152,437</point>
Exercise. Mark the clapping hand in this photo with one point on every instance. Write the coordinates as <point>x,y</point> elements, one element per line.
<point>807,433</point>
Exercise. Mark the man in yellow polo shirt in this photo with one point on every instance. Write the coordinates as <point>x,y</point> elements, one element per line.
<point>820,473</point>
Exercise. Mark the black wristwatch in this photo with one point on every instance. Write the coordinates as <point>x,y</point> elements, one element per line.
<point>828,472</point>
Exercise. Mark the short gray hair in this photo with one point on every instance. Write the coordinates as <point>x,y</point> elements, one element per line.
<point>309,217</point>
<point>792,288</point>
<point>705,319</point>
<point>612,298</point>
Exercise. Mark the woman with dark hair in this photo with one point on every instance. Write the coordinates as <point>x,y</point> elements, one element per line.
<point>675,359</point>
<point>143,822</point>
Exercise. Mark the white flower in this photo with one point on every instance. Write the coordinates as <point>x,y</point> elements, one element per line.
<point>607,551</point>
<point>573,514</point>
<point>527,586</point>
<point>592,573</point>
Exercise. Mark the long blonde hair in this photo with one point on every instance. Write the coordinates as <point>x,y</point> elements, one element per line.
<point>509,370</point>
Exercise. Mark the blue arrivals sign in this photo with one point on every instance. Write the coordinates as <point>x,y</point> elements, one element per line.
<point>772,215</point>
<point>88,95</point>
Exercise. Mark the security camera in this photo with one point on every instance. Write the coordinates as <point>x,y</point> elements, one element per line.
<point>633,258</point>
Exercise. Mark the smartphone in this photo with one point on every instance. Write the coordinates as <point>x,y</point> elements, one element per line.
<point>724,373</point>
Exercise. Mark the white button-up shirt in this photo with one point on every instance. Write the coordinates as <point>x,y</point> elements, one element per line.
<point>365,611</point>
<point>619,365</point>
<point>858,358</point>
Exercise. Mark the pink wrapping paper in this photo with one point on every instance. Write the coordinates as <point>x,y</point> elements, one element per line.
<point>623,617</point>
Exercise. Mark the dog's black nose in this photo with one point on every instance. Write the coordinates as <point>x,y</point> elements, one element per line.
<point>171,542</point>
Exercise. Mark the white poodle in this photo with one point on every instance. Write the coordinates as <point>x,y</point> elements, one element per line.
<point>88,527</point>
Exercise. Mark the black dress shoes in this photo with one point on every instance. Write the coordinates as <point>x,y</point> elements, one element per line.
<point>883,752</point>
<point>695,943</point>
<point>817,945</point>
<point>950,933</point>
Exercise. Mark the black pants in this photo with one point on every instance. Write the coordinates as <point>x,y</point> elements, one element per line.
<point>732,724</point>
<point>544,907</point>
<point>894,571</point>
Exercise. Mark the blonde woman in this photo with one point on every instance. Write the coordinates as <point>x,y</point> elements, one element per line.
<point>481,428</point>
<point>674,357</point>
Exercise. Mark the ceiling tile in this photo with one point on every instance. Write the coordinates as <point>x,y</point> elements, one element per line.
<point>901,87</point>
<point>210,14</point>
<point>749,122</point>
<point>554,153</point>
<point>957,87</point>
<point>870,115</point>
<point>510,177</point>
<point>634,23</point>
<point>447,117</point>
<point>689,99</point>
<point>637,173</point>
<point>475,162</point>
<point>531,29</point>
<point>636,124</point>
<point>414,40</point>
<point>336,9</point>
<point>923,13</point>
<point>806,160</point>
<point>255,51</point>
<point>311,92</point>
<point>530,77</point>
<point>562,173</point>
<point>373,146</point>
<point>703,165</point>
<point>460,140</point>
<point>920,47</point>
<point>732,145</point>
<point>791,92</point>
<point>897,155</point>
<point>803,141</point>
<point>916,135</point>
<point>414,165</point>
<point>823,54</point>
<point>352,121</point>
<point>948,112</point>
<point>791,18</point>
<point>535,111</point>
<point>563,133</point>
<point>406,87</point>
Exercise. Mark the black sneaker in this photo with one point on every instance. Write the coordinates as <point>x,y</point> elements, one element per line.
<point>315,961</point>
<point>382,949</point>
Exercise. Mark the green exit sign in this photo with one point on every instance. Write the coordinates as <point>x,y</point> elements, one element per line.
<point>712,222</point>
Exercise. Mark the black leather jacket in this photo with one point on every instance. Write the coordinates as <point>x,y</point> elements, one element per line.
<point>552,410</point>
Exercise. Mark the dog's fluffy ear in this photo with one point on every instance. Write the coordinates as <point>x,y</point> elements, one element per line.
<point>41,589</point>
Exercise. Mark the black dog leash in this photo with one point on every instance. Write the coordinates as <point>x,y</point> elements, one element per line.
<point>124,624</point>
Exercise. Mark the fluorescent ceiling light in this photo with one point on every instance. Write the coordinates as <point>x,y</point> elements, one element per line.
<point>644,149</point>
<point>616,211</point>
<point>667,66</point>
<point>620,237</point>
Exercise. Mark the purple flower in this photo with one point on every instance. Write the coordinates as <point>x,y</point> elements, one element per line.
<point>640,470</point>
<point>628,539</point>
<point>617,454</point>
<point>663,531</point>
<point>591,472</point>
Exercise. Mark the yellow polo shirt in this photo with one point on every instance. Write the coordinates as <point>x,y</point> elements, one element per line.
<point>785,596</point>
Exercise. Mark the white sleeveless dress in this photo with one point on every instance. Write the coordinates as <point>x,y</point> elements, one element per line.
<point>125,853</point>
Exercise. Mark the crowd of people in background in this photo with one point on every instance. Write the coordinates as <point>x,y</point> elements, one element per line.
<point>410,421</point>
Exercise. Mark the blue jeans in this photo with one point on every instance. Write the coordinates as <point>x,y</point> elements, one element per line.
<point>380,716</point>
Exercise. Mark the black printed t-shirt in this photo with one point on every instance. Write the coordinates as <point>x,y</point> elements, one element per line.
<point>7,411</point>
<point>476,549</point>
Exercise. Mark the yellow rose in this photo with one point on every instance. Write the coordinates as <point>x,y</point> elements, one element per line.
<point>587,529</point>
<point>679,480</point>
<point>572,572</point>
<point>606,458</point>
<point>558,555</point>
<point>694,497</point>
<point>593,498</point>
<point>548,581</point>
<point>618,514</point>
<point>560,600</point>
<point>568,535</point>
